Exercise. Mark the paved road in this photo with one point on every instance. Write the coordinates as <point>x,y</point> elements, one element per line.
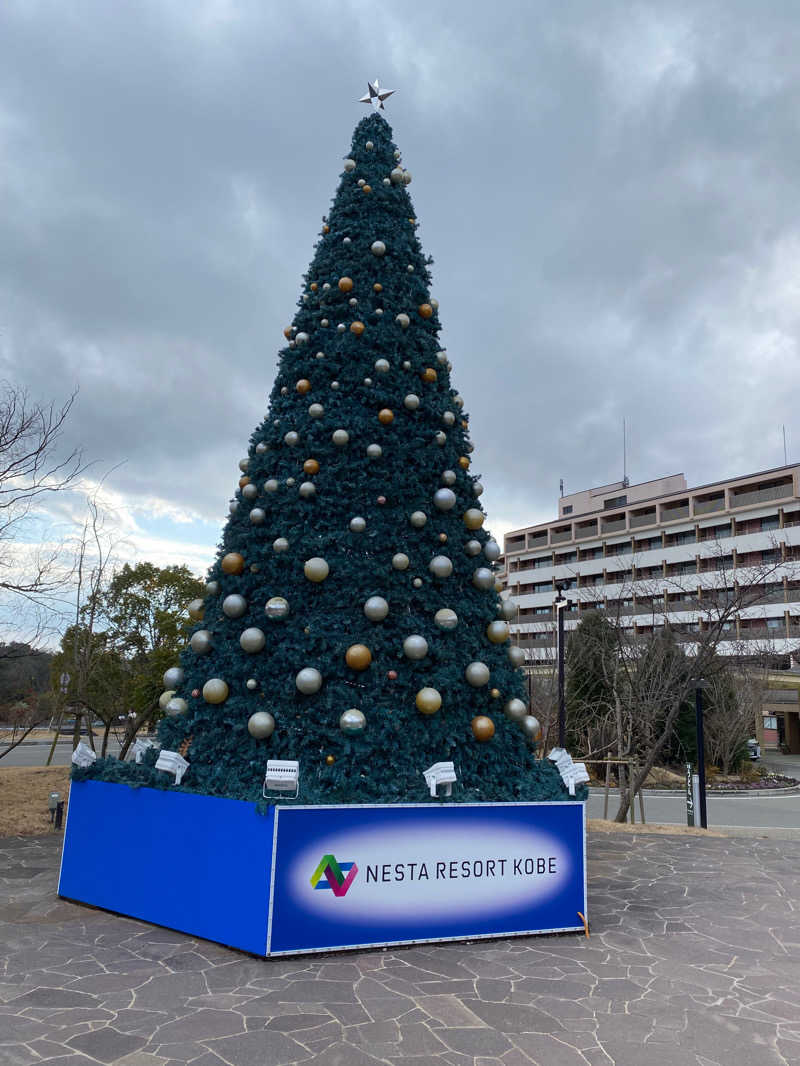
<point>35,754</point>
<point>780,811</point>
<point>692,961</point>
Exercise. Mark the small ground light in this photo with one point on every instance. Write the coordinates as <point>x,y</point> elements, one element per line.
<point>55,805</point>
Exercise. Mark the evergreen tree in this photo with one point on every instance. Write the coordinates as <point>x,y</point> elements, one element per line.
<point>352,619</point>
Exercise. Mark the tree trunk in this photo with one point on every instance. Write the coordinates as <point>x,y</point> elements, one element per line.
<point>626,799</point>
<point>104,746</point>
<point>133,729</point>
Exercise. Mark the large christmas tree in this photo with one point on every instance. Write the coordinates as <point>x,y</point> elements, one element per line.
<point>352,620</point>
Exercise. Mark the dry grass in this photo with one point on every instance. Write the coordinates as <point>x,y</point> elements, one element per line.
<point>24,791</point>
<point>601,825</point>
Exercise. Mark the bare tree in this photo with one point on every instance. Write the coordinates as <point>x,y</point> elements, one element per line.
<point>32,466</point>
<point>22,717</point>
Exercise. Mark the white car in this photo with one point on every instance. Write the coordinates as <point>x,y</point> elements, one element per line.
<point>753,748</point>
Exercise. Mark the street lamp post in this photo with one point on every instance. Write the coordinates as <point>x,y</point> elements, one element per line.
<point>561,604</point>
<point>701,750</point>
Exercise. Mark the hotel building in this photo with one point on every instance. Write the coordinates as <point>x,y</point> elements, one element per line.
<point>661,551</point>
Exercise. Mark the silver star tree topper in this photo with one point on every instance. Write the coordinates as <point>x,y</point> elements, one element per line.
<point>376,95</point>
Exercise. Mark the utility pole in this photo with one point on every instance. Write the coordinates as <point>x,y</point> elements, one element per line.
<point>561,603</point>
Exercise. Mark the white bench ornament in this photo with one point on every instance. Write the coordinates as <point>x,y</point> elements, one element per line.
<point>83,755</point>
<point>173,763</point>
<point>282,775</point>
<point>441,773</point>
<point>140,746</point>
<point>572,773</point>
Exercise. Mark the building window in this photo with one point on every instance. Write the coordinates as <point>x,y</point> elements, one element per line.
<point>615,501</point>
<point>770,721</point>
<point>567,509</point>
<point>774,623</point>
<point>769,523</point>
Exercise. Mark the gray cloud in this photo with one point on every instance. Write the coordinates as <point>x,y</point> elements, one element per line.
<point>609,193</point>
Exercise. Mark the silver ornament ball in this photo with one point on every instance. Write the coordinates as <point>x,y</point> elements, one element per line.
<point>307,490</point>
<point>340,437</point>
<point>477,674</point>
<point>276,607</point>
<point>483,578</point>
<point>271,485</point>
<point>376,608</point>
<point>352,721</point>
<point>440,566</point>
<point>444,499</point>
<point>448,477</point>
<point>234,606</point>
<point>515,710</point>
<point>446,619</point>
<point>530,726</point>
<point>400,561</point>
<point>308,681</point>
<point>378,248</point>
<point>280,544</point>
<point>176,706</point>
<point>415,647</point>
<point>358,524</point>
<point>516,655</point>
<point>418,519</point>
<point>252,640</point>
<point>200,642</point>
<point>258,516</point>
<point>260,725</point>
<point>374,451</point>
<point>173,677</point>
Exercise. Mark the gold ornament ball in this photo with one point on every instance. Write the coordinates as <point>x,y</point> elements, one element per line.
<point>428,701</point>
<point>326,229</point>
<point>473,518</point>
<point>311,466</point>
<point>287,332</point>
<point>463,462</point>
<point>314,286</point>
<point>482,728</point>
<point>329,760</point>
<point>215,690</point>
<point>497,632</point>
<point>232,563</point>
<point>244,481</point>
<point>366,188</point>
<point>429,375</point>
<point>345,284</point>
<point>495,693</point>
<point>357,328</point>
<point>425,310</point>
<point>377,287</point>
<point>443,538</point>
<point>358,657</point>
<point>386,417</point>
<point>303,386</point>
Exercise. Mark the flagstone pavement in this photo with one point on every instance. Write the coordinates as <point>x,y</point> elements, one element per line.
<point>693,959</point>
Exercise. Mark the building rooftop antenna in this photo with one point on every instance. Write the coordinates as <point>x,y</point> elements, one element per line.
<point>625,481</point>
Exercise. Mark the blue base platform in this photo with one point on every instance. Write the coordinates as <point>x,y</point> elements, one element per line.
<point>303,879</point>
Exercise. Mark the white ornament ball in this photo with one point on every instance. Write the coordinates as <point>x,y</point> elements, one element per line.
<point>173,677</point>
<point>449,418</point>
<point>411,402</point>
<point>340,437</point>
<point>233,507</point>
<point>396,176</point>
<point>508,610</point>
<point>271,485</point>
<point>515,710</point>
<point>334,384</point>
<point>316,569</point>
<point>483,578</point>
<point>367,381</point>
<point>444,499</point>
<point>260,725</point>
<point>358,524</point>
<point>448,477</point>
<point>262,448</point>
<point>252,640</point>
<point>387,181</point>
<point>382,366</point>
<point>349,165</point>
<point>376,608</point>
<point>308,681</point>
<point>445,618</point>
<point>212,588</point>
<point>530,726</point>
<point>473,547</point>
<point>516,655</point>
<point>374,451</point>
<point>406,364</point>
<point>276,607</point>
<point>200,642</point>
<point>418,519</point>
<point>477,674</point>
<point>280,544</point>
<point>291,438</point>
<point>352,721</point>
<point>440,438</point>
<point>417,582</point>
<point>316,410</point>
<point>491,550</point>
<point>341,327</point>
<point>497,632</point>
<point>415,647</point>
<point>164,698</point>
<point>234,606</point>
<point>403,320</point>
<point>252,684</point>
<point>400,561</point>
<point>243,465</point>
<point>346,241</point>
<point>258,516</point>
<point>290,481</point>
<point>301,338</point>
<point>176,706</point>
<point>440,566</point>
<point>361,182</point>
<point>406,177</point>
<point>410,268</point>
<point>215,690</point>
<point>369,146</point>
<point>249,492</point>
<point>477,488</point>
<point>324,322</point>
<point>378,248</point>
<point>307,490</point>
<point>458,401</point>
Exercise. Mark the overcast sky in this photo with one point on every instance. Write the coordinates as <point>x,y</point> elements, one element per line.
<point>609,191</point>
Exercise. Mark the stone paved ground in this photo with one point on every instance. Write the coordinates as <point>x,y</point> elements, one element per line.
<point>694,960</point>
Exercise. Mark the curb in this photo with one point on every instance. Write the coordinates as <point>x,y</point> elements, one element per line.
<point>786,790</point>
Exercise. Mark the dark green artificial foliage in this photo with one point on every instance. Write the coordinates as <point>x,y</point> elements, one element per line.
<point>384,762</point>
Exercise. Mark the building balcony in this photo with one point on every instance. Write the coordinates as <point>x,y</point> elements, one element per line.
<point>672,514</point>
<point>707,506</point>
<point>561,538</point>
<point>614,526</point>
<point>649,519</point>
<point>774,492</point>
